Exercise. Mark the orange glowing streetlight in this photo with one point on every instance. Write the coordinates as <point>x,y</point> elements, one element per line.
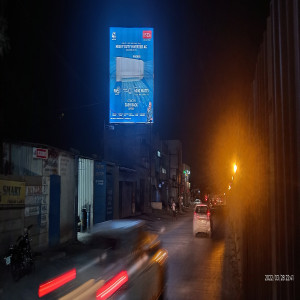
<point>234,168</point>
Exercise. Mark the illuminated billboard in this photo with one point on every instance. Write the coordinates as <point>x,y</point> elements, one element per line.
<point>131,68</point>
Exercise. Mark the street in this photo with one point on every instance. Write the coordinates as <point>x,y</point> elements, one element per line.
<point>195,269</point>
<point>195,264</point>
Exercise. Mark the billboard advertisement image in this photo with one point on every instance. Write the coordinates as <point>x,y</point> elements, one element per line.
<point>131,77</point>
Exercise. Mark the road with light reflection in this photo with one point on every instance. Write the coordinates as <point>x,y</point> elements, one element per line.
<point>195,269</point>
<point>195,264</point>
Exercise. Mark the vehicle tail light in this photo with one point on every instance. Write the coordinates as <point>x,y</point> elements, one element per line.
<point>208,214</point>
<point>55,283</point>
<point>112,286</point>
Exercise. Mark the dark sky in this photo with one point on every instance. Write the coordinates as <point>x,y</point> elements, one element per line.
<point>205,53</point>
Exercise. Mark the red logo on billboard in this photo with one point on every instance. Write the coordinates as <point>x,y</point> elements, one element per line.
<point>147,34</point>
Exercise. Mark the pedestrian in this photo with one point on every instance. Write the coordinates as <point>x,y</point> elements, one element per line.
<point>174,210</point>
<point>149,113</point>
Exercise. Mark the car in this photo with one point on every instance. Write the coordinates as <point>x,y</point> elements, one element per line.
<point>202,221</point>
<point>128,263</point>
<point>197,201</point>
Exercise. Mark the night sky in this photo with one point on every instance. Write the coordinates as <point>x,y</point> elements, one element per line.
<point>55,73</point>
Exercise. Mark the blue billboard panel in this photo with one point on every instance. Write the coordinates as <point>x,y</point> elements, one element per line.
<point>131,69</point>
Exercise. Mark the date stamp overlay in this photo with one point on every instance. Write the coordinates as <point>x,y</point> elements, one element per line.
<point>279,277</point>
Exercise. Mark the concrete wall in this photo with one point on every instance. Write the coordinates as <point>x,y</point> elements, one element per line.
<point>20,164</point>
<point>11,221</point>
<point>33,212</point>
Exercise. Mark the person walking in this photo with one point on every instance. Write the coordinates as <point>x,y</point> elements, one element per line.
<point>174,210</point>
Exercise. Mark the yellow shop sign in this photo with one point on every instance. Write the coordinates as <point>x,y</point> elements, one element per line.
<point>12,193</point>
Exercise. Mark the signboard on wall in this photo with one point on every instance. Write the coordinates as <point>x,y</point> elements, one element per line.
<point>36,203</point>
<point>131,68</point>
<point>40,153</point>
<point>12,193</point>
<point>50,165</point>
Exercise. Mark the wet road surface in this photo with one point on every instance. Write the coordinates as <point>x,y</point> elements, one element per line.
<point>195,268</point>
<point>195,264</point>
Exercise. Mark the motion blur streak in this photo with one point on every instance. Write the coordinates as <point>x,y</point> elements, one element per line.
<point>77,292</point>
<point>160,256</point>
<point>55,283</point>
<point>112,286</point>
<point>137,265</point>
<point>90,264</point>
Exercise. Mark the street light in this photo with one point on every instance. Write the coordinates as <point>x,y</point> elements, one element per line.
<point>234,168</point>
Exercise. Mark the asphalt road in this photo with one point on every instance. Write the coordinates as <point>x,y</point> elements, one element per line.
<point>195,264</point>
<point>195,267</point>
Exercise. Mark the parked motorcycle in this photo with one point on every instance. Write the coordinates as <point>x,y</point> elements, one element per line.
<point>19,257</point>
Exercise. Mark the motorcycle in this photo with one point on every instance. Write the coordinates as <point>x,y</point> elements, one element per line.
<point>19,257</point>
